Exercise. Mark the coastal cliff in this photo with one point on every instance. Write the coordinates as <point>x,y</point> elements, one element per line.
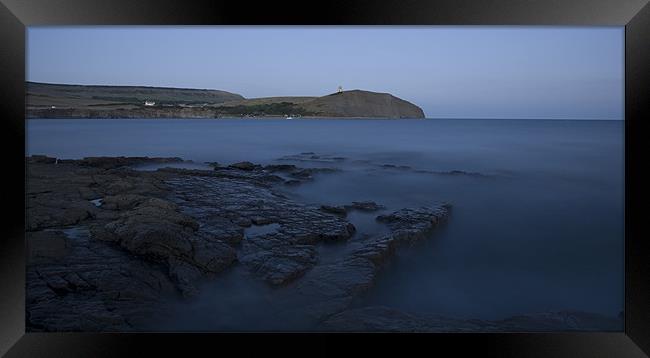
<point>359,103</point>
<point>77,101</point>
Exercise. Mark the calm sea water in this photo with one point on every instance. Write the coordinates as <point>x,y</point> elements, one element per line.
<point>543,231</point>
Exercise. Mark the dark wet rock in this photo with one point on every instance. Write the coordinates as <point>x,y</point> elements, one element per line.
<point>280,167</point>
<point>117,162</point>
<point>185,275</point>
<point>57,213</point>
<point>156,230</point>
<point>384,319</point>
<point>338,210</point>
<point>364,206</point>
<point>324,170</point>
<point>89,194</point>
<point>53,195</point>
<point>351,228</point>
<point>256,230</point>
<point>244,166</point>
<point>308,173</point>
<point>227,229</point>
<point>413,223</point>
<point>76,283</point>
<point>331,287</point>
<point>435,172</point>
<point>260,220</point>
<point>212,256</point>
<point>122,201</point>
<point>43,159</point>
<point>279,262</point>
<point>248,171</point>
<point>312,157</point>
<point>112,268</point>
<point>462,172</point>
<point>90,286</point>
<point>243,222</point>
<point>44,245</point>
<point>277,257</point>
<point>159,233</point>
<point>302,174</point>
<point>393,166</point>
<point>272,179</point>
<point>59,285</point>
<point>127,181</point>
<point>214,165</point>
<point>256,176</point>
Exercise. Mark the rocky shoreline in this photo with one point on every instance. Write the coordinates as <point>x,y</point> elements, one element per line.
<point>108,245</point>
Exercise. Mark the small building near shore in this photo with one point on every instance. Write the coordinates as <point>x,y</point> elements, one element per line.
<point>149,103</point>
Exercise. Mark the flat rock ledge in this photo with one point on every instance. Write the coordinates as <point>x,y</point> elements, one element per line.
<point>154,229</point>
<point>278,256</point>
<point>343,210</point>
<point>330,288</point>
<point>108,244</point>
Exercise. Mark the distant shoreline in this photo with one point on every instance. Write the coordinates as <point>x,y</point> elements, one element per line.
<point>73,101</point>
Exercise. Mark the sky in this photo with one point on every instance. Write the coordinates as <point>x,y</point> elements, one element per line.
<point>449,71</point>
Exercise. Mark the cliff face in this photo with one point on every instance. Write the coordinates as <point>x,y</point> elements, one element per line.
<point>350,104</point>
<point>359,103</point>
<point>74,101</point>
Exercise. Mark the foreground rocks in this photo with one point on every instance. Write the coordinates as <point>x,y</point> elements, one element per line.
<point>155,230</point>
<point>331,287</point>
<point>80,284</point>
<point>110,247</point>
<point>365,206</point>
<point>75,281</point>
<point>109,244</point>
<point>277,257</point>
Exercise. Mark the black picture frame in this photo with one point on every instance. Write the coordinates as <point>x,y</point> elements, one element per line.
<point>15,15</point>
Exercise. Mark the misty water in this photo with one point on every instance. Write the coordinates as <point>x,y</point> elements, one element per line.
<point>540,230</point>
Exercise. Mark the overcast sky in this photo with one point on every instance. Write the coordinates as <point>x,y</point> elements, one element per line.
<point>451,72</point>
